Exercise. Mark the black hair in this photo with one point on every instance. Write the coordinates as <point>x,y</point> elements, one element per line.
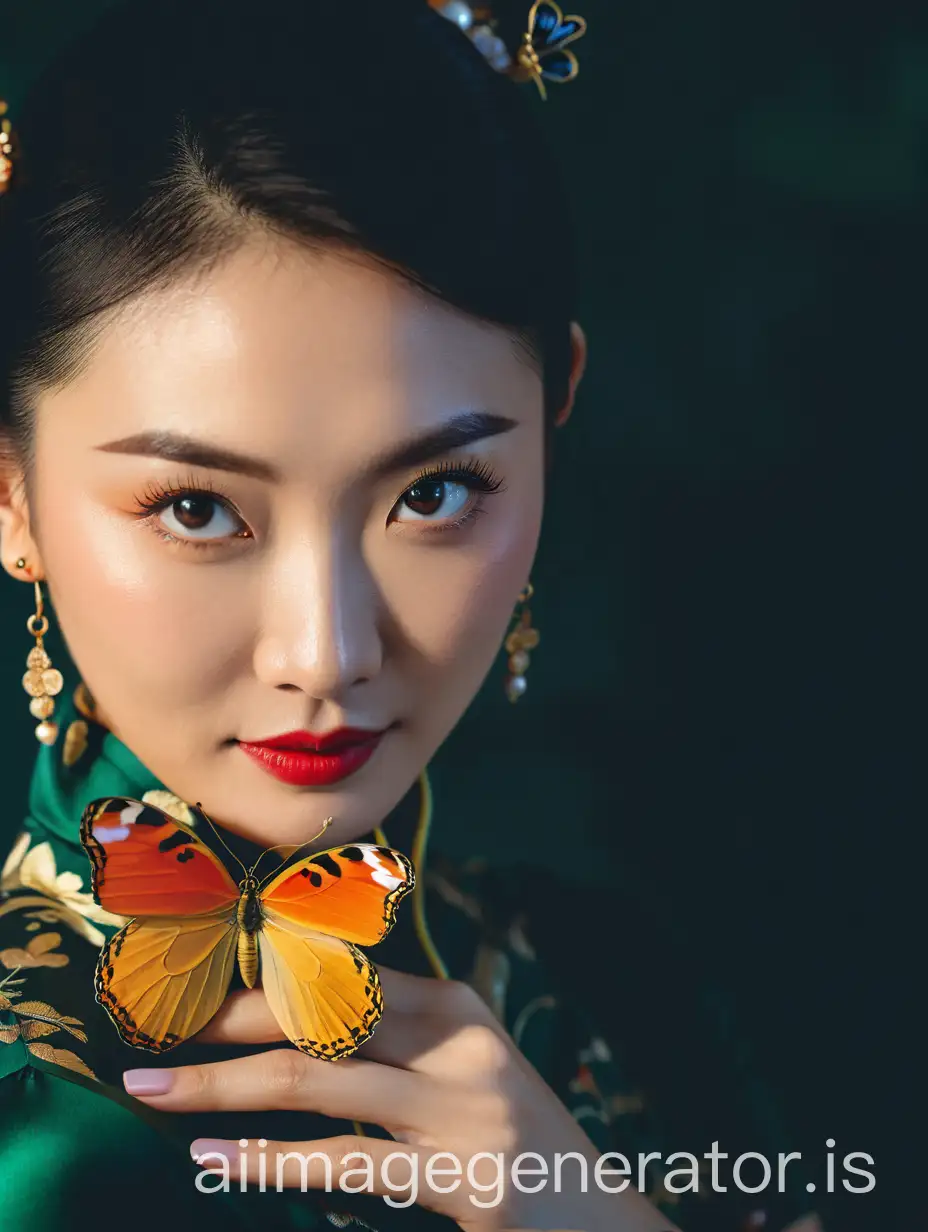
<point>156,142</point>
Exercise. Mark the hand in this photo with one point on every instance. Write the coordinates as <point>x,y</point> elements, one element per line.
<point>441,1076</point>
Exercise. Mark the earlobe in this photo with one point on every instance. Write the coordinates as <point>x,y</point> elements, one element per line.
<point>16,542</point>
<point>578,345</point>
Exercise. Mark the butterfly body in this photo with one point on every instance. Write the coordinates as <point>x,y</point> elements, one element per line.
<point>167,972</point>
<point>248,921</point>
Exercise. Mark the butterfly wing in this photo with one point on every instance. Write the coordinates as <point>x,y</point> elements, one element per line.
<point>549,29</point>
<point>324,992</point>
<point>347,892</point>
<point>162,980</point>
<point>145,863</point>
<point>164,976</point>
<point>559,66</point>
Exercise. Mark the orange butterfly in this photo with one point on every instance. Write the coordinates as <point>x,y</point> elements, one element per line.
<point>164,976</point>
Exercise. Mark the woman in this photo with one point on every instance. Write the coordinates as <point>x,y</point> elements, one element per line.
<point>283,355</point>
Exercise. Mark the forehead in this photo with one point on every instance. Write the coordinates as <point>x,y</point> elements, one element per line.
<point>285,346</point>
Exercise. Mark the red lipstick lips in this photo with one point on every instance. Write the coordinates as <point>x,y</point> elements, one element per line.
<point>304,759</point>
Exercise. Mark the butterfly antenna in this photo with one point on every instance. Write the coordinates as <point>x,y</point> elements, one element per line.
<point>293,850</point>
<point>199,809</point>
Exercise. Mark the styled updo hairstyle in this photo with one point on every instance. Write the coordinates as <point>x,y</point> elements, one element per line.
<point>157,142</point>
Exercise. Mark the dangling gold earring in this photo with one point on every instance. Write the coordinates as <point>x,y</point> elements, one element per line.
<point>42,681</point>
<point>520,641</point>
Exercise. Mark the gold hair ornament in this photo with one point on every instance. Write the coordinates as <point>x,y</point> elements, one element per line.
<point>541,57</point>
<point>7,149</point>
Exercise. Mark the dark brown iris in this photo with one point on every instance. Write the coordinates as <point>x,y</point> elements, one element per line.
<point>194,512</point>
<point>425,497</point>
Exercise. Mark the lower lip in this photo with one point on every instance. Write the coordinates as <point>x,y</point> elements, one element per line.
<point>303,768</point>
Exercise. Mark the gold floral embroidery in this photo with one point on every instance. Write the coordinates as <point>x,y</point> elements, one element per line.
<point>75,741</point>
<point>172,805</point>
<point>38,953</point>
<point>35,1019</point>
<point>64,898</point>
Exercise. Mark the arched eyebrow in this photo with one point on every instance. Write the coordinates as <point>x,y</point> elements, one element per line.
<point>463,429</point>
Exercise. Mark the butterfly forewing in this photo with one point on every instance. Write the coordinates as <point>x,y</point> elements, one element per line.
<point>145,863</point>
<point>550,29</point>
<point>348,892</point>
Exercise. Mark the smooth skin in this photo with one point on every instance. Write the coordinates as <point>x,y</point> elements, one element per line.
<point>234,549</point>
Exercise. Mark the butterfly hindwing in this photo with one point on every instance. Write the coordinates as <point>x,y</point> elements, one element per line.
<point>348,892</point>
<point>162,980</point>
<point>145,863</point>
<point>324,993</point>
<point>560,66</point>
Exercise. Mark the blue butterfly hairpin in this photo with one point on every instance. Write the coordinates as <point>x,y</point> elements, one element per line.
<point>543,53</point>
<point>540,58</point>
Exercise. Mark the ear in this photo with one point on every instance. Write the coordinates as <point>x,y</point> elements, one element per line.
<point>578,348</point>
<point>16,541</point>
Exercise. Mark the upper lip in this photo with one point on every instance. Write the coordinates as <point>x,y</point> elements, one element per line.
<point>340,738</point>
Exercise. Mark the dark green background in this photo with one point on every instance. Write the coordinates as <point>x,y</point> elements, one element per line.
<point>720,711</point>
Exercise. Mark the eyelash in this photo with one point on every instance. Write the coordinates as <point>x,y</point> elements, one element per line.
<point>476,475</point>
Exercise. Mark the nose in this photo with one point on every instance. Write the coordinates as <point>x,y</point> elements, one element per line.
<point>320,633</point>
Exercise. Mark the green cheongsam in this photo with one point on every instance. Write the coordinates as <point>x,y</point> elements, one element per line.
<point>75,1150</point>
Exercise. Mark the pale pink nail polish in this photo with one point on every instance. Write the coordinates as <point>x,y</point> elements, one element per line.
<point>148,1081</point>
<point>213,1148</point>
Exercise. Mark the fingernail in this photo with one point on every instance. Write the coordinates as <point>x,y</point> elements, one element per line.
<point>214,1148</point>
<point>148,1081</point>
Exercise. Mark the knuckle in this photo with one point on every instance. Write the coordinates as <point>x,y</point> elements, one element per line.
<point>340,1148</point>
<point>205,1081</point>
<point>286,1072</point>
<point>482,1049</point>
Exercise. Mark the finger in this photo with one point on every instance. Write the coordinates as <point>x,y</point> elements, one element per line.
<point>284,1078</point>
<point>426,1008</point>
<point>348,1164</point>
<point>245,1016</point>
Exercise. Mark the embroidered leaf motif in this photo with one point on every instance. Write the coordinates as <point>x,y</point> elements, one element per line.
<point>9,1035</point>
<point>34,1028</point>
<point>46,1013</point>
<point>5,1003</point>
<point>63,1057</point>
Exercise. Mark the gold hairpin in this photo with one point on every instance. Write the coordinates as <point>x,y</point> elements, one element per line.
<point>7,149</point>
<point>542,56</point>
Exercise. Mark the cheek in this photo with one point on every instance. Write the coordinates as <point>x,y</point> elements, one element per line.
<point>455,606</point>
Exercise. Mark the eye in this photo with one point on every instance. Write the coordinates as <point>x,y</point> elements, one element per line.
<point>197,515</point>
<point>433,498</point>
<point>449,496</point>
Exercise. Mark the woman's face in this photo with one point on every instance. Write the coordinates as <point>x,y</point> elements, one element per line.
<point>296,497</point>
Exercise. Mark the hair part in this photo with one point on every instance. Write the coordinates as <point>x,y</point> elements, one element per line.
<point>172,133</point>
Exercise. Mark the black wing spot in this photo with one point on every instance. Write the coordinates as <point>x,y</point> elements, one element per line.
<point>177,839</point>
<point>325,861</point>
<point>352,853</point>
<point>149,817</point>
<point>187,854</point>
